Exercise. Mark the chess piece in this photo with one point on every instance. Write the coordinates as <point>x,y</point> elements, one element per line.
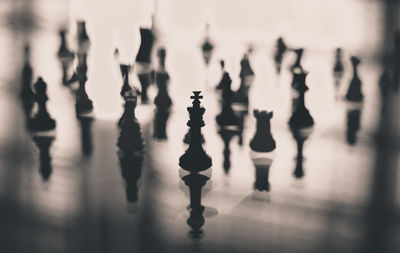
<point>86,134</point>
<point>353,125</point>
<point>162,100</point>
<point>301,117</point>
<point>83,104</point>
<point>338,70</point>
<point>27,94</point>
<point>227,135</point>
<point>241,96</point>
<point>160,124</point>
<point>300,137</point>
<point>130,139</point>
<point>44,142</point>
<point>125,69</point>
<point>83,38</point>
<point>227,117</point>
<point>297,64</point>
<point>354,93</point>
<point>207,47</point>
<point>223,78</point>
<point>246,72</point>
<point>42,120</point>
<point>263,140</point>
<point>281,49</point>
<point>195,158</point>
<point>65,56</point>
<point>146,45</point>
<point>262,177</point>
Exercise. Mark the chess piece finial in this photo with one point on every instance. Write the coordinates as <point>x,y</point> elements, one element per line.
<point>195,158</point>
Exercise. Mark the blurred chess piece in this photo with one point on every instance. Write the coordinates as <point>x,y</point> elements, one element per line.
<point>162,100</point>
<point>227,117</point>
<point>160,124</point>
<point>125,70</point>
<point>220,85</point>
<point>43,142</point>
<point>41,120</point>
<point>27,95</point>
<point>338,71</point>
<point>300,136</point>
<point>65,56</point>
<point>296,67</point>
<point>83,38</point>
<point>246,72</point>
<point>227,134</point>
<point>195,158</point>
<point>86,134</point>
<point>83,104</point>
<point>354,93</point>
<point>353,125</point>
<point>281,49</point>
<point>207,46</point>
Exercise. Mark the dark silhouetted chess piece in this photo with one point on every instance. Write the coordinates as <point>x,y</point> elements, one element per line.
<point>41,120</point>
<point>207,47</point>
<point>301,117</point>
<point>160,124</point>
<point>130,139</point>
<point>83,104</point>
<point>354,93</point>
<point>281,49</point>
<point>125,70</point>
<point>246,72</point>
<point>263,140</point>
<point>162,99</point>
<point>223,78</point>
<point>27,94</point>
<point>195,182</point>
<point>353,125</point>
<point>338,70</point>
<point>86,134</point>
<point>262,177</point>
<point>300,137</point>
<point>43,143</point>
<point>297,64</point>
<point>83,38</point>
<point>227,135</point>
<point>227,117</point>
<point>65,56</point>
<point>143,60</point>
<point>195,158</point>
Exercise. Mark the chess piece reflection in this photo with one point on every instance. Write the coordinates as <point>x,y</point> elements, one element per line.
<point>41,120</point>
<point>43,142</point>
<point>353,125</point>
<point>160,124</point>
<point>207,46</point>
<point>65,56</point>
<point>27,95</point>
<point>195,158</point>
<point>281,49</point>
<point>338,71</point>
<point>227,134</point>
<point>162,100</point>
<point>143,60</point>
<point>300,137</point>
<point>83,104</point>
<point>262,147</point>
<point>86,134</point>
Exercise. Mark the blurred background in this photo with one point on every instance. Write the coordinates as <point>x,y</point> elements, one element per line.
<point>71,193</point>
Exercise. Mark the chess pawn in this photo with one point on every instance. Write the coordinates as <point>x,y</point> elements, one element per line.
<point>207,47</point>
<point>44,142</point>
<point>263,140</point>
<point>130,139</point>
<point>83,38</point>
<point>301,117</point>
<point>354,93</point>
<point>195,158</point>
<point>131,171</point>
<point>42,120</point>
<point>27,94</point>
<point>227,117</point>
<point>338,70</point>
<point>297,63</point>
<point>227,135</point>
<point>65,56</point>
<point>279,53</point>
<point>162,100</point>
<point>86,134</point>
<point>353,125</point>
<point>246,72</point>
<point>160,124</point>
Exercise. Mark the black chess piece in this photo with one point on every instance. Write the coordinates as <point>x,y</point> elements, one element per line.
<point>27,95</point>
<point>281,49</point>
<point>130,139</point>
<point>396,61</point>
<point>125,70</point>
<point>160,124</point>
<point>207,47</point>
<point>195,182</point>
<point>83,38</point>
<point>262,177</point>
<point>297,79</point>
<point>227,117</point>
<point>353,125</point>
<point>195,158</point>
<point>43,143</point>
<point>338,70</point>
<point>65,56</point>
<point>263,140</point>
<point>146,46</point>
<point>42,120</point>
<point>354,93</point>
<point>83,104</point>
<point>301,117</point>
<point>300,137</point>
<point>221,83</point>
<point>246,72</point>
<point>162,99</point>
<point>297,64</point>
<point>224,81</point>
<point>86,134</point>
<point>227,135</point>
